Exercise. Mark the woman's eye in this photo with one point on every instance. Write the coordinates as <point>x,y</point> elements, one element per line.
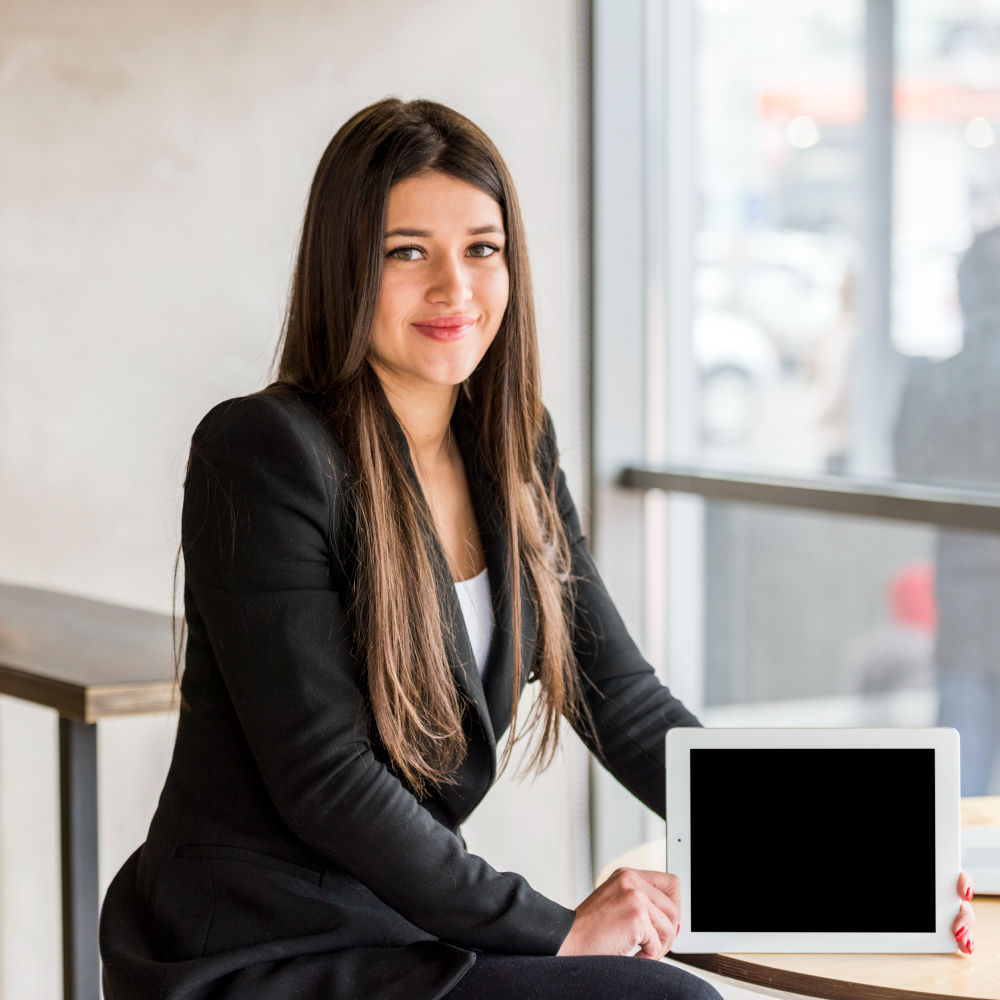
<point>405,253</point>
<point>483,250</point>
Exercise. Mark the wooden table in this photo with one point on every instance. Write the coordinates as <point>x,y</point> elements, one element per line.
<point>861,977</point>
<point>87,660</point>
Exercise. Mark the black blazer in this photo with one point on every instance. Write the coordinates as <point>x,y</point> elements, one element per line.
<point>287,857</point>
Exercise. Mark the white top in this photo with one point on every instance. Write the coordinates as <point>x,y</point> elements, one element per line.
<point>477,610</point>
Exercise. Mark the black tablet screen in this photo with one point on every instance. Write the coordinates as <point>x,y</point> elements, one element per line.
<point>812,840</point>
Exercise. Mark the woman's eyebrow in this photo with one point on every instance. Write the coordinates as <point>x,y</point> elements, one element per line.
<point>426,233</point>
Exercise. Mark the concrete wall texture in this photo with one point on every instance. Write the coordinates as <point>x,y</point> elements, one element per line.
<point>154,167</point>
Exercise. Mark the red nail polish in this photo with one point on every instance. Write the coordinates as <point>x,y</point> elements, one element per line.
<point>968,893</point>
<point>972,946</point>
<point>960,933</point>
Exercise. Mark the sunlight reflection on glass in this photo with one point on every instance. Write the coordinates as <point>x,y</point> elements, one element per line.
<point>802,132</point>
<point>979,133</point>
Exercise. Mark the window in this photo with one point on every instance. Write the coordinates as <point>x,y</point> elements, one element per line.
<point>797,305</point>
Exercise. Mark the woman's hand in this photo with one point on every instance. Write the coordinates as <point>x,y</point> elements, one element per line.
<point>964,922</point>
<point>631,909</point>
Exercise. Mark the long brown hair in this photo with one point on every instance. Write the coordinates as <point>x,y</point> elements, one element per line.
<point>326,350</point>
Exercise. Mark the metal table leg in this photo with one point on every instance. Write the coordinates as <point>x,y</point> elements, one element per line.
<point>80,906</point>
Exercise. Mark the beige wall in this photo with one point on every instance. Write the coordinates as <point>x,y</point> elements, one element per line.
<point>154,162</point>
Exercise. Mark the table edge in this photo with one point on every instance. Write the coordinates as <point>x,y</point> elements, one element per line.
<point>89,702</point>
<point>66,698</point>
<point>106,701</point>
<point>802,983</point>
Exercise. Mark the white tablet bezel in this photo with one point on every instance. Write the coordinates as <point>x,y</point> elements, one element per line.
<point>947,812</point>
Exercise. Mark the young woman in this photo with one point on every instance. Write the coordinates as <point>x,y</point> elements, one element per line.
<point>380,552</point>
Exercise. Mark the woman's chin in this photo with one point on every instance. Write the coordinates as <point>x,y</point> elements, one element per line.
<point>449,377</point>
<point>445,371</point>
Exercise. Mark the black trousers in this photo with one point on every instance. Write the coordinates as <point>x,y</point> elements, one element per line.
<point>594,977</point>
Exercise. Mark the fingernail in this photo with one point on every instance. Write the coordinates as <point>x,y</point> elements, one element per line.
<point>678,928</point>
<point>960,933</point>
<point>968,893</point>
<point>972,946</point>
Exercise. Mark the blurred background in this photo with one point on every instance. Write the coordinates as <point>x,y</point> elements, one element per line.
<point>766,244</point>
<point>154,170</point>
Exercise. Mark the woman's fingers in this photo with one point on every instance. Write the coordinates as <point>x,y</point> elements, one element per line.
<point>665,897</point>
<point>665,930</point>
<point>669,885</point>
<point>965,886</point>
<point>663,893</point>
<point>650,926</point>
<point>962,928</point>
<point>965,941</point>
<point>966,919</point>
<point>656,913</point>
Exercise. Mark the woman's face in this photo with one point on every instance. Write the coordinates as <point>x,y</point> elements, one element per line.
<point>444,281</point>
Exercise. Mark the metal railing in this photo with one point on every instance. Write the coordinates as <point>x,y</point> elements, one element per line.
<point>950,508</point>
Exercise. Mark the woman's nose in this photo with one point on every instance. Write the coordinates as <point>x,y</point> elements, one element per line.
<point>450,285</point>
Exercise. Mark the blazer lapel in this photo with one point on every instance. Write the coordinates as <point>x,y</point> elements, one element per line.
<point>499,683</point>
<point>458,646</point>
<point>462,658</point>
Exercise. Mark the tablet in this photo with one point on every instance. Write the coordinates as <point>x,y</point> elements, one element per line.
<point>814,840</point>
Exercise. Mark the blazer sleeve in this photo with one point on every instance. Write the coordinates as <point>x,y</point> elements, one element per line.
<point>631,709</point>
<point>259,502</point>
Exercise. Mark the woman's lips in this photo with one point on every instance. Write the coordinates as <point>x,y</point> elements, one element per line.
<point>446,327</point>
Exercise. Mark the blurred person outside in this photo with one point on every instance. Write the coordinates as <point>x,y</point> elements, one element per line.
<point>898,655</point>
<point>947,433</point>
